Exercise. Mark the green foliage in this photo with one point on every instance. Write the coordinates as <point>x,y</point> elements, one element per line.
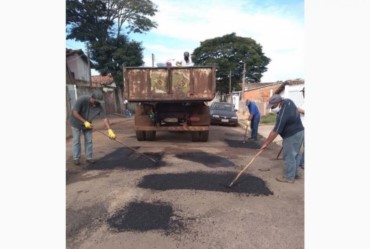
<point>268,119</point>
<point>110,56</point>
<point>99,23</point>
<point>86,22</point>
<point>96,20</point>
<point>229,52</point>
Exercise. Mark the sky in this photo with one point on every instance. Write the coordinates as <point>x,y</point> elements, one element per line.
<point>277,25</point>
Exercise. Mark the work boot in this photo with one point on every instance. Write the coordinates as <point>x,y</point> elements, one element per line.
<point>90,161</point>
<point>76,162</point>
<point>283,179</point>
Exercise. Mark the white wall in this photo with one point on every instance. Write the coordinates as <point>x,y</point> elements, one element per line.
<point>294,93</point>
<point>79,67</point>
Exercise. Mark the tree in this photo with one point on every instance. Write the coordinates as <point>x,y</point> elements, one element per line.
<point>86,21</point>
<point>114,53</point>
<point>100,24</point>
<point>229,52</point>
<point>96,20</point>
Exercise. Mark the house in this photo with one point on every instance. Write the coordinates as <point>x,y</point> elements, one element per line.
<point>260,93</point>
<point>112,96</point>
<point>78,76</point>
<point>78,66</point>
<point>292,89</point>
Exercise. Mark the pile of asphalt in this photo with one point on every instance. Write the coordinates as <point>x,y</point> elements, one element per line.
<point>216,181</point>
<point>209,160</point>
<point>128,159</point>
<point>142,216</point>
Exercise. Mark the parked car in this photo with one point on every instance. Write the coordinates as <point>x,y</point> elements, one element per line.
<point>223,113</point>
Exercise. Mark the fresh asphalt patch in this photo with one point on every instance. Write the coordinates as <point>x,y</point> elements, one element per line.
<point>207,159</point>
<point>247,184</point>
<point>128,159</point>
<point>143,216</point>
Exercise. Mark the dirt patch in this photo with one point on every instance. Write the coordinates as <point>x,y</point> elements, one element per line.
<point>142,216</point>
<point>246,184</point>
<point>207,159</point>
<point>128,159</point>
<point>77,220</point>
<point>76,176</point>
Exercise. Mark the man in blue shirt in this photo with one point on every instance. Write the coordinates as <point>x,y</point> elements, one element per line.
<point>253,118</point>
<point>289,126</point>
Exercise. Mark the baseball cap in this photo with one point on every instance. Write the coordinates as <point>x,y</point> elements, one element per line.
<point>276,98</point>
<point>98,95</point>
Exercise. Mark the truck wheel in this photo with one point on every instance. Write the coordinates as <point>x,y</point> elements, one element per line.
<point>195,136</point>
<point>140,135</point>
<point>204,136</point>
<point>150,135</point>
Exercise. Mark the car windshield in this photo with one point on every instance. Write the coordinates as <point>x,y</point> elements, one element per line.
<point>222,106</point>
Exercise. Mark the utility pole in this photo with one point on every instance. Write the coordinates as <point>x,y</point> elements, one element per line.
<point>230,82</point>
<point>243,85</point>
<point>152,60</point>
<point>88,62</point>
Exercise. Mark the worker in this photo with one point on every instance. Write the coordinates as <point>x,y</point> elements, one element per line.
<point>253,119</point>
<point>289,126</point>
<point>187,60</point>
<point>301,111</point>
<point>84,111</point>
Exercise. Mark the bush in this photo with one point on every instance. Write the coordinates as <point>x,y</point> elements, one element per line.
<point>268,119</point>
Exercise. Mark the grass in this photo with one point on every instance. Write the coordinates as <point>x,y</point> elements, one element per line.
<point>268,119</point>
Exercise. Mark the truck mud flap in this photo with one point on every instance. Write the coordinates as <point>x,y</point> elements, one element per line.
<point>145,135</point>
<point>199,136</point>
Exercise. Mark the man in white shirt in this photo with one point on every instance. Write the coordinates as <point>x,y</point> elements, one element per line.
<point>187,60</point>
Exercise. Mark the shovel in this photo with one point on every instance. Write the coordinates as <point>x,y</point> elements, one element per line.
<point>245,168</point>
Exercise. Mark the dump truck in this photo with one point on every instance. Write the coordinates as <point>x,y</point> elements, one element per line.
<point>170,99</point>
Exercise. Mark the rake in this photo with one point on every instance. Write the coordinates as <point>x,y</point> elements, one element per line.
<point>245,168</point>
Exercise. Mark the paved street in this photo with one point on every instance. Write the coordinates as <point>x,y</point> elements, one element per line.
<point>172,193</point>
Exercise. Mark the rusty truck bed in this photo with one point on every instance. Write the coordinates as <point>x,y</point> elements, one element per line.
<point>162,84</point>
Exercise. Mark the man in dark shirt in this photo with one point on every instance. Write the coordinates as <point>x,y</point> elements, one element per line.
<point>289,126</point>
<point>84,111</point>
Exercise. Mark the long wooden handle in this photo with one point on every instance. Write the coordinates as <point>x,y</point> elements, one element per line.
<point>245,133</point>
<point>246,167</point>
<point>279,153</point>
<point>128,147</point>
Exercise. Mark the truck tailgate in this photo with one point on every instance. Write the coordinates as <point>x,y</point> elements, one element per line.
<point>164,84</point>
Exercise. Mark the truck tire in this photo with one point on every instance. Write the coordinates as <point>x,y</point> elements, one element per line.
<point>199,136</point>
<point>204,136</point>
<point>140,135</point>
<point>150,135</point>
<point>195,136</point>
<point>142,119</point>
